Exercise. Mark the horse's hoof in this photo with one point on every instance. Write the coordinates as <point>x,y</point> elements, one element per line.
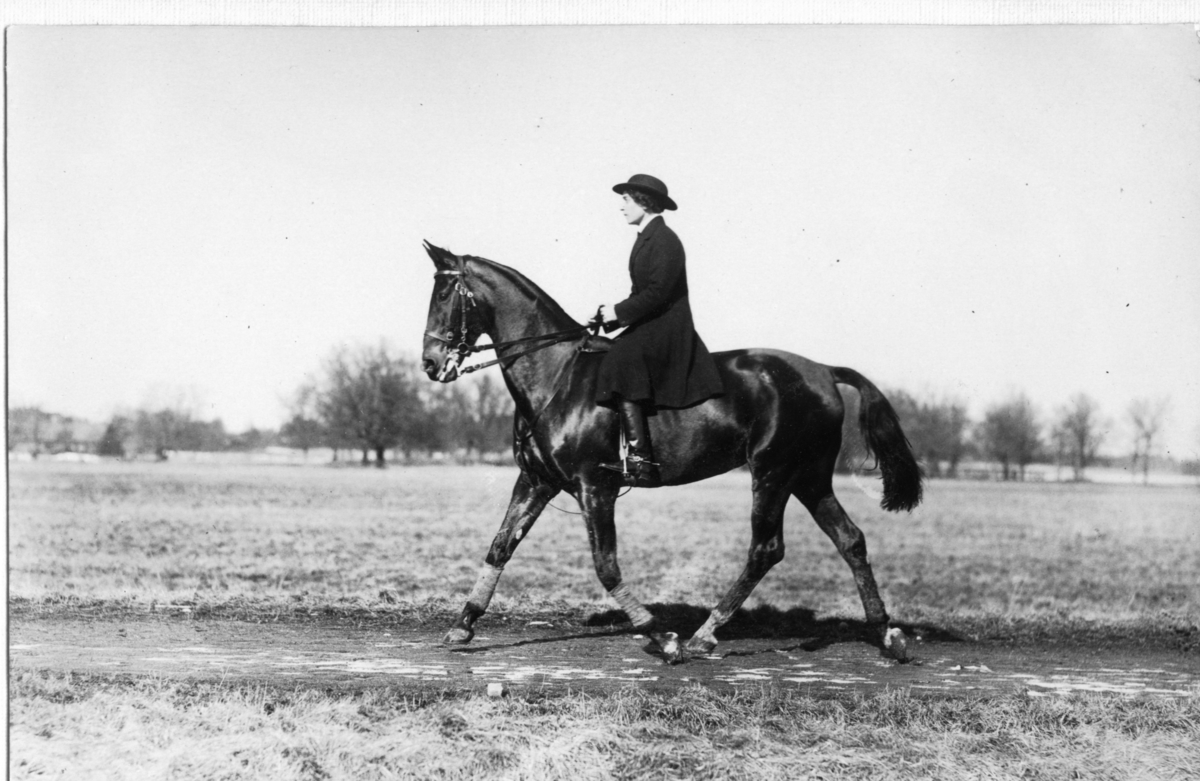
<point>671,651</point>
<point>700,646</point>
<point>458,636</point>
<point>667,646</point>
<point>895,644</point>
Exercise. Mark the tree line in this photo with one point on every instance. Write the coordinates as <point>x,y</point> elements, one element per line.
<point>366,399</point>
<point>373,400</point>
<point>1012,434</point>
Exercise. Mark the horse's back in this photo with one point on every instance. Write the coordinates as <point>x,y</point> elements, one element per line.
<point>755,370</point>
<point>773,401</point>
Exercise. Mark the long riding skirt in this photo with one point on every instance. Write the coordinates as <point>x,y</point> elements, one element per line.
<point>661,360</point>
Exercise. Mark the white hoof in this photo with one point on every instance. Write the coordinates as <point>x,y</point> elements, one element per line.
<point>895,642</point>
<point>668,646</point>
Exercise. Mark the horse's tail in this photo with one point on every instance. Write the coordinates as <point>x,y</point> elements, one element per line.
<point>885,439</point>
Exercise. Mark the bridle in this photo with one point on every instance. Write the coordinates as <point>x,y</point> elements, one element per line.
<point>463,349</point>
<point>466,302</point>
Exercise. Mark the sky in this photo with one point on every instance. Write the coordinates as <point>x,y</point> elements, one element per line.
<point>962,212</point>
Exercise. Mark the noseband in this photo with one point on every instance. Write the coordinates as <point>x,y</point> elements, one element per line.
<point>466,300</point>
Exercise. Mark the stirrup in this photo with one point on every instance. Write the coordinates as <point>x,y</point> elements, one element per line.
<point>633,467</point>
<point>641,472</point>
<point>635,471</point>
<point>615,466</point>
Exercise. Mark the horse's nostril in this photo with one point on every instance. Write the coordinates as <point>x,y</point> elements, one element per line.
<point>427,365</point>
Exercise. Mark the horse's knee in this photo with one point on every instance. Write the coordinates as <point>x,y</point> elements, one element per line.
<point>504,546</point>
<point>765,555</point>
<point>848,538</point>
<point>500,553</point>
<point>775,551</point>
<point>854,544</point>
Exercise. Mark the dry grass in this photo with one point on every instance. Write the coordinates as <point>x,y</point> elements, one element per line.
<point>92,728</point>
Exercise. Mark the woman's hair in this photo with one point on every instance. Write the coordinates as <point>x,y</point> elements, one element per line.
<point>647,201</point>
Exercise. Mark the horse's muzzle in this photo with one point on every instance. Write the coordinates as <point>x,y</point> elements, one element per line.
<point>446,372</point>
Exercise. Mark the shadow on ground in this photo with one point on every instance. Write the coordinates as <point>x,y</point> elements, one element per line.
<point>798,628</point>
<point>770,623</point>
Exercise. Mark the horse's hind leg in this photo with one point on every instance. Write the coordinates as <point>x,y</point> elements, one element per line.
<point>529,498</point>
<point>850,542</point>
<point>766,550</point>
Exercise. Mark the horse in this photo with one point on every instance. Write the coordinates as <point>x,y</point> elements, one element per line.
<point>781,415</point>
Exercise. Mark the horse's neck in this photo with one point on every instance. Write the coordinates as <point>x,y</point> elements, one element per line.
<point>532,378</point>
<point>520,310</point>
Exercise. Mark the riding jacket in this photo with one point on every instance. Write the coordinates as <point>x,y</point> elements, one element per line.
<point>659,358</point>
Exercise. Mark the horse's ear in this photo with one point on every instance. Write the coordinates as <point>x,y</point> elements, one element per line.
<point>441,258</point>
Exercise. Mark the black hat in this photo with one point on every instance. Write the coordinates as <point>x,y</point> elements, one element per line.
<point>644,183</point>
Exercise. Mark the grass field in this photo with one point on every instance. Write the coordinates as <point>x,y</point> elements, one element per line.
<point>997,563</point>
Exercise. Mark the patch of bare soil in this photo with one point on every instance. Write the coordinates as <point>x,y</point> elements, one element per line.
<point>523,655</point>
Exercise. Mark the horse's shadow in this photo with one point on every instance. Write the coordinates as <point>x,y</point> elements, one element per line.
<point>796,629</point>
<point>766,622</point>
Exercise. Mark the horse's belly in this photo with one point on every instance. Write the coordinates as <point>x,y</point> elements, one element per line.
<point>699,442</point>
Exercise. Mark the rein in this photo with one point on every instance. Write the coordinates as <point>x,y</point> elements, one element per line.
<point>463,349</point>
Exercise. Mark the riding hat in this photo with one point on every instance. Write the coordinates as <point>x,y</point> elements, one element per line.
<point>645,183</point>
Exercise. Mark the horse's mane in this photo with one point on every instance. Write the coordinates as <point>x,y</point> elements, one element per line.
<point>542,300</point>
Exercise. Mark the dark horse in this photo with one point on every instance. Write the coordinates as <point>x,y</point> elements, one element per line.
<point>781,414</point>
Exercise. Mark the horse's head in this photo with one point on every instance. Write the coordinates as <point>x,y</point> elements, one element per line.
<point>456,316</point>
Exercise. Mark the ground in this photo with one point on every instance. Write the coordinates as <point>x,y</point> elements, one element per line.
<point>536,655</point>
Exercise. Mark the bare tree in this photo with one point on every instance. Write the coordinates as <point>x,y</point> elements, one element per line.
<point>446,416</point>
<point>1081,426</point>
<point>937,429</point>
<point>303,429</point>
<point>117,437</point>
<point>474,414</point>
<point>370,399</point>
<point>1010,434</point>
<point>493,415</point>
<point>1147,417</point>
<point>160,431</point>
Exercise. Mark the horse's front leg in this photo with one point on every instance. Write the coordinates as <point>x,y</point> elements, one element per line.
<point>528,501</point>
<point>598,503</point>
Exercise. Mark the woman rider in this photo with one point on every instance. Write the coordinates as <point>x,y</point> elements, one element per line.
<point>659,361</point>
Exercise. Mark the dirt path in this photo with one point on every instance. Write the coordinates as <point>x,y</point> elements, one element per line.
<point>539,656</point>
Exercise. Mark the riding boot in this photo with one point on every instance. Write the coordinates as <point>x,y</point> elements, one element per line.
<point>642,469</point>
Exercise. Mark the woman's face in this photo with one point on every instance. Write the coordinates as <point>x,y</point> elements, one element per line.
<point>632,210</point>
